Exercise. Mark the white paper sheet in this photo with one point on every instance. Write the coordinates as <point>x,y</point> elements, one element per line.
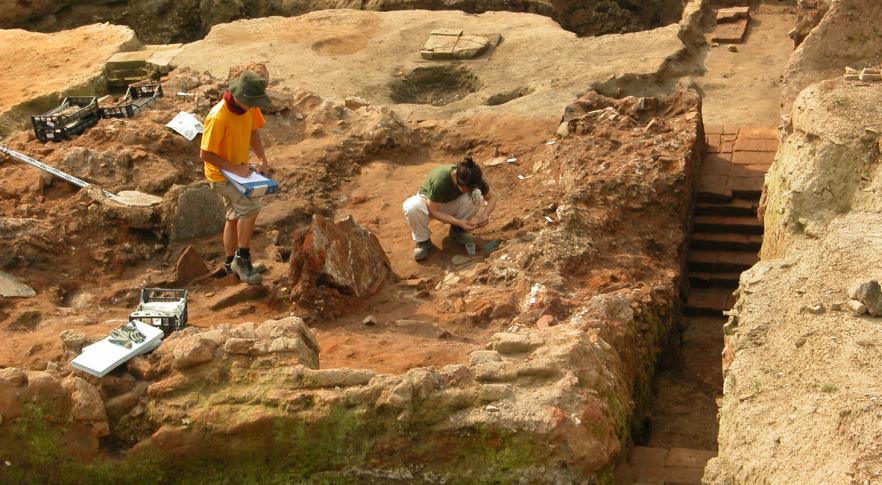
<point>186,124</point>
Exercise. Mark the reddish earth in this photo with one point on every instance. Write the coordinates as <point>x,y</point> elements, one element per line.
<point>87,275</point>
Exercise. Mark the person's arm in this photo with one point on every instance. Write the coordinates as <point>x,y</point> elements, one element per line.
<point>257,146</point>
<point>435,213</point>
<point>222,164</point>
<point>491,204</point>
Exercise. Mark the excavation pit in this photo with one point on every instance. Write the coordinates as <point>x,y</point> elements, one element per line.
<point>437,85</point>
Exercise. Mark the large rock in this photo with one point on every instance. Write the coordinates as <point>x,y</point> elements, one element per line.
<point>341,254</point>
<point>870,294</point>
<point>193,211</point>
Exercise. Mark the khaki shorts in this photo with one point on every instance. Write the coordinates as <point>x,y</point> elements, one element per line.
<point>236,205</point>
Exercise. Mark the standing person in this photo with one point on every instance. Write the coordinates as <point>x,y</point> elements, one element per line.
<point>452,194</point>
<point>230,132</point>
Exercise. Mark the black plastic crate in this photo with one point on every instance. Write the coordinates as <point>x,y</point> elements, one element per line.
<point>167,320</point>
<point>72,117</point>
<point>137,98</point>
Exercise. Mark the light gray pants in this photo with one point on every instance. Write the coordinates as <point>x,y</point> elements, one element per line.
<point>416,210</point>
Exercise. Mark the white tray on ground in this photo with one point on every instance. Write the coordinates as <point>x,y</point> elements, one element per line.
<point>102,357</point>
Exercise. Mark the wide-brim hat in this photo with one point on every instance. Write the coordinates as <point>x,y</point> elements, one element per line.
<point>250,88</point>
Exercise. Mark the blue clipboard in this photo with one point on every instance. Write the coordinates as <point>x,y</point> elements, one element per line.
<point>254,186</point>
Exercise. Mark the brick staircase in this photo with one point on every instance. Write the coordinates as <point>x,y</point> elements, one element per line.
<point>726,238</point>
<point>726,234</point>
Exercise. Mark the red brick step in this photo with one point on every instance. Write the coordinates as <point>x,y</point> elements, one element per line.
<point>734,207</point>
<point>730,241</point>
<point>721,261</point>
<point>719,280</point>
<point>739,224</point>
<point>709,301</point>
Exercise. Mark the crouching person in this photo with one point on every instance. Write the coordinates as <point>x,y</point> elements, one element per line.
<point>230,133</point>
<point>452,194</point>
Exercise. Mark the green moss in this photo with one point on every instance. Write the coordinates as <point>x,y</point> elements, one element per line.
<point>37,456</point>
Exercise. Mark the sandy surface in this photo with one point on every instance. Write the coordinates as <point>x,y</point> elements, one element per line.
<point>343,52</point>
<point>744,88</point>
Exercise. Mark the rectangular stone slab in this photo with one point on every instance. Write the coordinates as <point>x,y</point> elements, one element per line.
<point>453,32</point>
<point>440,43</point>
<point>731,33</point>
<point>732,14</point>
<point>128,60</point>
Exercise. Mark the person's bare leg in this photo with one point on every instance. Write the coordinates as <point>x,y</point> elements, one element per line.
<point>231,236</point>
<point>246,230</point>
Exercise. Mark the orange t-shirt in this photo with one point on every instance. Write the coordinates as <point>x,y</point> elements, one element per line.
<point>228,135</point>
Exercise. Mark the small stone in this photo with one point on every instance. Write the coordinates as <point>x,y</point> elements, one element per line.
<point>546,321</point>
<point>814,309</point>
<point>856,307</point>
<point>355,102</point>
<point>492,409</point>
<point>733,48</point>
<point>563,130</point>
<point>193,351</point>
<point>190,266</point>
<point>240,346</point>
<point>494,392</point>
<point>460,260</point>
<point>495,372</point>
<point>870,294</point>
<point>413,283</point>
<point>369,320</point>
<point>481,356</point>
<point>836,306</point>
<point>510,343</point>
<point>72,340</point>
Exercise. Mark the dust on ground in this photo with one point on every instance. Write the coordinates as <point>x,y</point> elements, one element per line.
<point>743,88</point>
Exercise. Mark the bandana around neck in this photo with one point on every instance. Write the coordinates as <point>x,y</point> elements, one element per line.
<point>231,105</point>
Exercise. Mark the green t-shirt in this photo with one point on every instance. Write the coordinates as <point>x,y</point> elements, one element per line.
<point>438,186</point>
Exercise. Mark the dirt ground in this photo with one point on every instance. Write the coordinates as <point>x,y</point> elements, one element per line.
<point>743,88</point>
<point>89,288</point>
